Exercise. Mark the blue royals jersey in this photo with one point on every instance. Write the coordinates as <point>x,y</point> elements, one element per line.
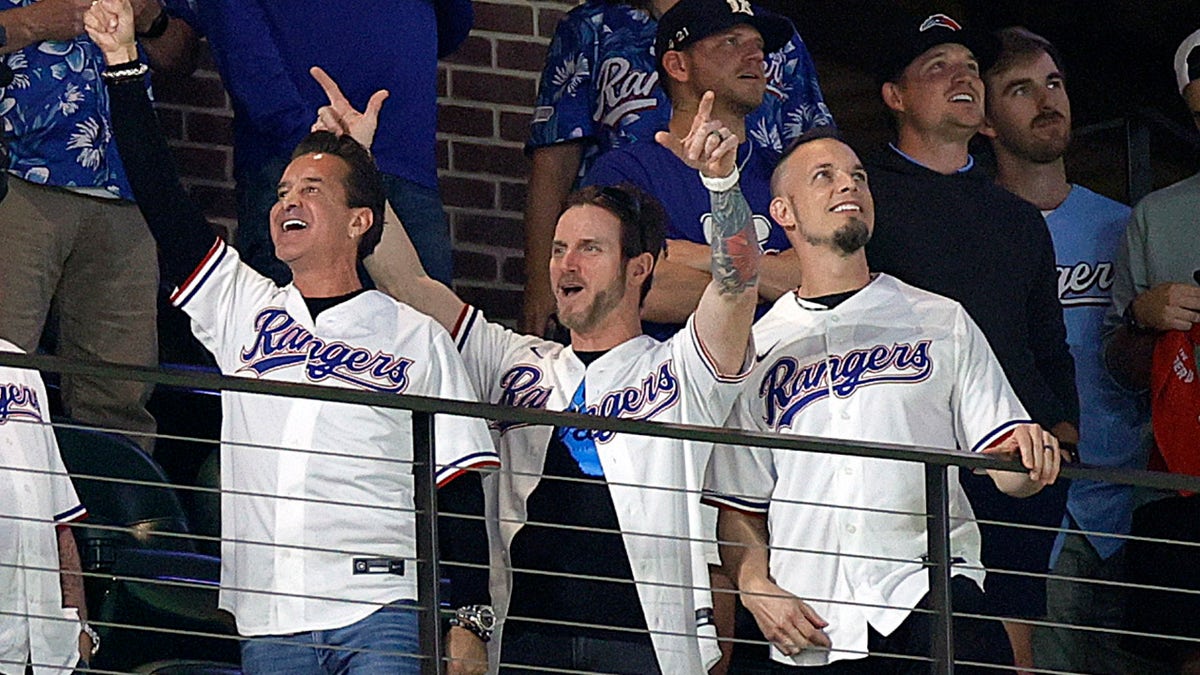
<point>659,172</point>
<point>600,86</point>
<point>1087,229</point>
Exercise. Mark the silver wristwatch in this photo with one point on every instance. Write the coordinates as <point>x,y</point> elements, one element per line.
<point>91,632</point>
<point>479,619</point>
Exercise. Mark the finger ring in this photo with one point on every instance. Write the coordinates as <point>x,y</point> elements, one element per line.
<point>1047,447</point>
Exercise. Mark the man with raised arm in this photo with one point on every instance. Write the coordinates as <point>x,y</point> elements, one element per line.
<point>862,357</point>
<point>318,529</point>
<point>598,537</point>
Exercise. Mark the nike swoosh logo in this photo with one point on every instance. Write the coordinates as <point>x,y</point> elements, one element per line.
<point>758,358</point>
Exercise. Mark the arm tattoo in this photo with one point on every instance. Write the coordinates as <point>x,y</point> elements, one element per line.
<point>735,247</point>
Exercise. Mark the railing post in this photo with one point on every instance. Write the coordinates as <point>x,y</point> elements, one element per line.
<point>428,576</point>
<point>937,505</point>
<point>1140,173</point>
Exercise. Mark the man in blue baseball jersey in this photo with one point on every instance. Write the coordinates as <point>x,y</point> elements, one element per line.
<point>1029,122</point>
<point>600,90</point>
<point>721,51</point>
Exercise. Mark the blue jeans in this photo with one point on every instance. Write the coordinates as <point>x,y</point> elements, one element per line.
<point>419,208</point>
<point>384,643</point>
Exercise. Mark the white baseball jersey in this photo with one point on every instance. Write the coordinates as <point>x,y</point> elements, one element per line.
<point>35,496</point>
<point>312,489</point>
<point>891,364</point>
<point>654,482</point>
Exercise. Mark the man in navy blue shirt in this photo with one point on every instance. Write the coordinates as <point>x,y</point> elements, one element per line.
<point>264,51</point>
<point>721,51</point>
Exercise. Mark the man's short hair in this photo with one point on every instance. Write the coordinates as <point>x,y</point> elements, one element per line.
<point>364,186</point>
<point>1018,44</point>
<point>643,219</point>
<point>813,134</point>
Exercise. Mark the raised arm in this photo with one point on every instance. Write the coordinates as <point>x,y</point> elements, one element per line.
<point>177,223</point>
<point>726,309</point>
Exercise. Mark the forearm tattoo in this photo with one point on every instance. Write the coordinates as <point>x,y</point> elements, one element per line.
<point>735,247</point>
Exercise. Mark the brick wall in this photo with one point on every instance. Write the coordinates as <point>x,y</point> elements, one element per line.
<point>485,92</point>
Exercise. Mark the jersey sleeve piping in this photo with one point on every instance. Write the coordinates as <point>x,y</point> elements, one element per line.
<point>995,434</point>
<point>479,461</point>
<point>711,364</point>
<point>462,327</point>
<point>742,504</point>
<point>203,271</point>
<point>78,512</point>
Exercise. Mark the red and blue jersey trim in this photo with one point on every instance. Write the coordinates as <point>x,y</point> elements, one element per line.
<point>479,461</point>
<point>203,271</point>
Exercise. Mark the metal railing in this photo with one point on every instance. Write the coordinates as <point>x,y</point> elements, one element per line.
<point>936,462</point>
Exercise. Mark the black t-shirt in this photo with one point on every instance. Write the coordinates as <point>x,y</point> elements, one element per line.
<point>318,305</point>
<point>572,529</point>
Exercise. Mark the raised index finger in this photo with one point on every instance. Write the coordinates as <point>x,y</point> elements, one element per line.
<point>331,89</point>
<point>703,111</point>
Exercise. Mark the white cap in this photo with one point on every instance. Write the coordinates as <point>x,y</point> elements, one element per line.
<point>1187,61</point>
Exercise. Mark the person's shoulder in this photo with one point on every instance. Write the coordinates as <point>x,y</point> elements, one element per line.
<point>888,285</point>
<point>1185,192</point>
<point>600,13</point>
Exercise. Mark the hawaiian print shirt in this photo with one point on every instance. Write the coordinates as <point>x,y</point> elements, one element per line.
<point>600,85</point>
<point>55,113</point>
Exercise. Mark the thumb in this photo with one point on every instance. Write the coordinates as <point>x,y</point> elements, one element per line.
<point>376,102</point>
<point>668,141</point>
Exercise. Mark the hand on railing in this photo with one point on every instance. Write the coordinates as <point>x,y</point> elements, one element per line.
<point>1038,451</point>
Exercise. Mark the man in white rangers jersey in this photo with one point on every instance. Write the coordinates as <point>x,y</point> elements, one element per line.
<point>584,599</point>
<point>864,357</point>
<point>43,619</point>
<point>317,502</point>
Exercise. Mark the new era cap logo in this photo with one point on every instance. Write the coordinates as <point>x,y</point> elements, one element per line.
<point>939,21</point>
<point>740,6</point>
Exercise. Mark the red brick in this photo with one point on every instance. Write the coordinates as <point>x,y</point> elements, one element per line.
<point>205,128</point>
<point>512,196</point>
<point>475,50</point>
<point>519,55</point>
<point>504,18</point>
<point>513,271</point>
<point>501,305</point>
<point>548,21</point>
<point>207,163</point>
<point>443,154</point>
<point>204,59</point>
<point>467,121</point>
<point>488,159</point>
<point>218,202</point>
<point>492,88</point>
<point>515,126</point>
<point>171,121</point>
<point>202,92</point>
<point>496,231</point>
<point>468,192</point>
<point>474,265</point>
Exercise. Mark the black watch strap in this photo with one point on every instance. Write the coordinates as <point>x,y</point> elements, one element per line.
<point>1132,323</point>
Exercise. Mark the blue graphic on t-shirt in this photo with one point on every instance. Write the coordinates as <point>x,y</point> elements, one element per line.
<point>579,441</point>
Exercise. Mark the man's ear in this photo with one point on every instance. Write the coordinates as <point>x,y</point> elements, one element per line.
<point>675,65</point>
<point>893,96</point>
<point>987,129</point>
<point>781,212</point>
<point>639,267</point>
<point>362,221</point>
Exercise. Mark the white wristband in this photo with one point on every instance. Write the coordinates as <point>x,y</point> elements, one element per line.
<point>721,184</point>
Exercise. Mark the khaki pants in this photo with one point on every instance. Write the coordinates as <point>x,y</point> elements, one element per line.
<point>96,261</point>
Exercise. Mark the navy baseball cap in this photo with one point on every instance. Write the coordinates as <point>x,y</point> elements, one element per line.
<point>911,38</point>
<point>692,20</point>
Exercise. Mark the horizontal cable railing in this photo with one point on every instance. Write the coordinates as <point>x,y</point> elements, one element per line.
<point>425,415</point>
